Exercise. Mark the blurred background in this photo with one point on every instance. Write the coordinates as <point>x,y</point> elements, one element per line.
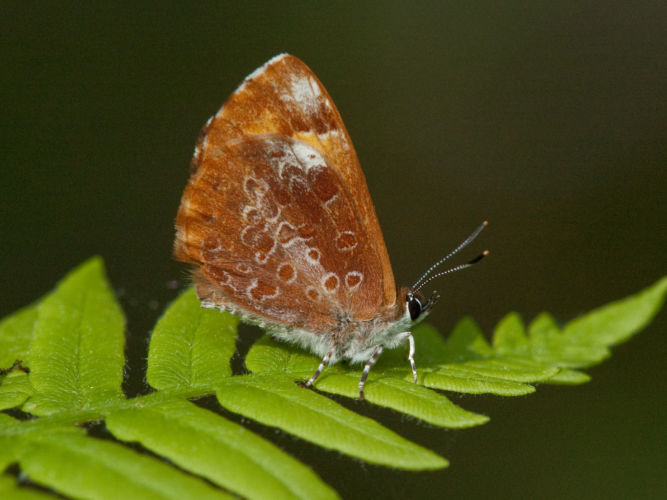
<point>549,119</point>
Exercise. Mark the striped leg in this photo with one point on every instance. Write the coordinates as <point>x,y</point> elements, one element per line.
<point>411,354</point>
<point>374,357</point>
<point>323,365</point>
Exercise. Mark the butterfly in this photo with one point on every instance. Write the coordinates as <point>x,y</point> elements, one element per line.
<point>279,224</point>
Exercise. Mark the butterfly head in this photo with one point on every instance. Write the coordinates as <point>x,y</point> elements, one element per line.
<point>417,306</point>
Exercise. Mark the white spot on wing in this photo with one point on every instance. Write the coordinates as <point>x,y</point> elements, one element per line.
<point>312,255</point>
<point>307,156</point>
<point>261,257</point>
<point>244,235</point>
<point>243,268</point>
<point>248,214</point>
<point>314,87</point>
<point>291,279</point>
<point>353,279</point>
<point>303,92</point>
<point>348,239</point>
<point>330,277</point>
<point>273,295</point>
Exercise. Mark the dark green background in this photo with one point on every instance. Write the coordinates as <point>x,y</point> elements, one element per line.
<point>547,118</point>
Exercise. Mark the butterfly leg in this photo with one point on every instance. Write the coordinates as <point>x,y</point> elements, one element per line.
<point>411,354</point>
<point>323,365</point>
<point>369,364</point>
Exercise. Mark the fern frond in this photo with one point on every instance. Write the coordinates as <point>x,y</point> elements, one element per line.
<point>72,342</point>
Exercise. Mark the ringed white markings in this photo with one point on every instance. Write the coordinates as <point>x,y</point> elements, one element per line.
<point>330,282</point>
<point>346,241</point>
<point>243,268</point>
<point>248,214</point>
<point>262,257</point>
<point>313,255</point>
<point>353,280</point>
<point>244,235</point>
<point>272,296</point>
<point>286,273</point>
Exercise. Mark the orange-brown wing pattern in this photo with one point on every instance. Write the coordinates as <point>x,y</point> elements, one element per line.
<point>284,96</point>
<point>277,213</point>
<point>271,224</point>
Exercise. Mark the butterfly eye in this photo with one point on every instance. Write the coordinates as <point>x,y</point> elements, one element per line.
<point>414,306</point>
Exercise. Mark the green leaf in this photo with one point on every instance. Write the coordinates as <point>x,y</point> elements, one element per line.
<point>510,336</point>
<point>10,489</point>
<point>221,451</point>
<point>16,336</point>
<point>15,389</point>
<point>76,357</point>
<point>457,380</point>
<point>81,466</point>
<point>405,397</point>
<point>569,377</point>
<point>277,401</point>
<point>269,356</point>
<point>466,343</point>
<point>543,327</point>
<point>618,321</point>
<point>8,442</point>
<point>191,346</point>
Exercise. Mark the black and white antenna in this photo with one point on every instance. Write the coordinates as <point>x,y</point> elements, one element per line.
<point>426,277</point>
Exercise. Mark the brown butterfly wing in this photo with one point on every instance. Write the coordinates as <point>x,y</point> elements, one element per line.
<point>277,213</point>
<point>284,96</point>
